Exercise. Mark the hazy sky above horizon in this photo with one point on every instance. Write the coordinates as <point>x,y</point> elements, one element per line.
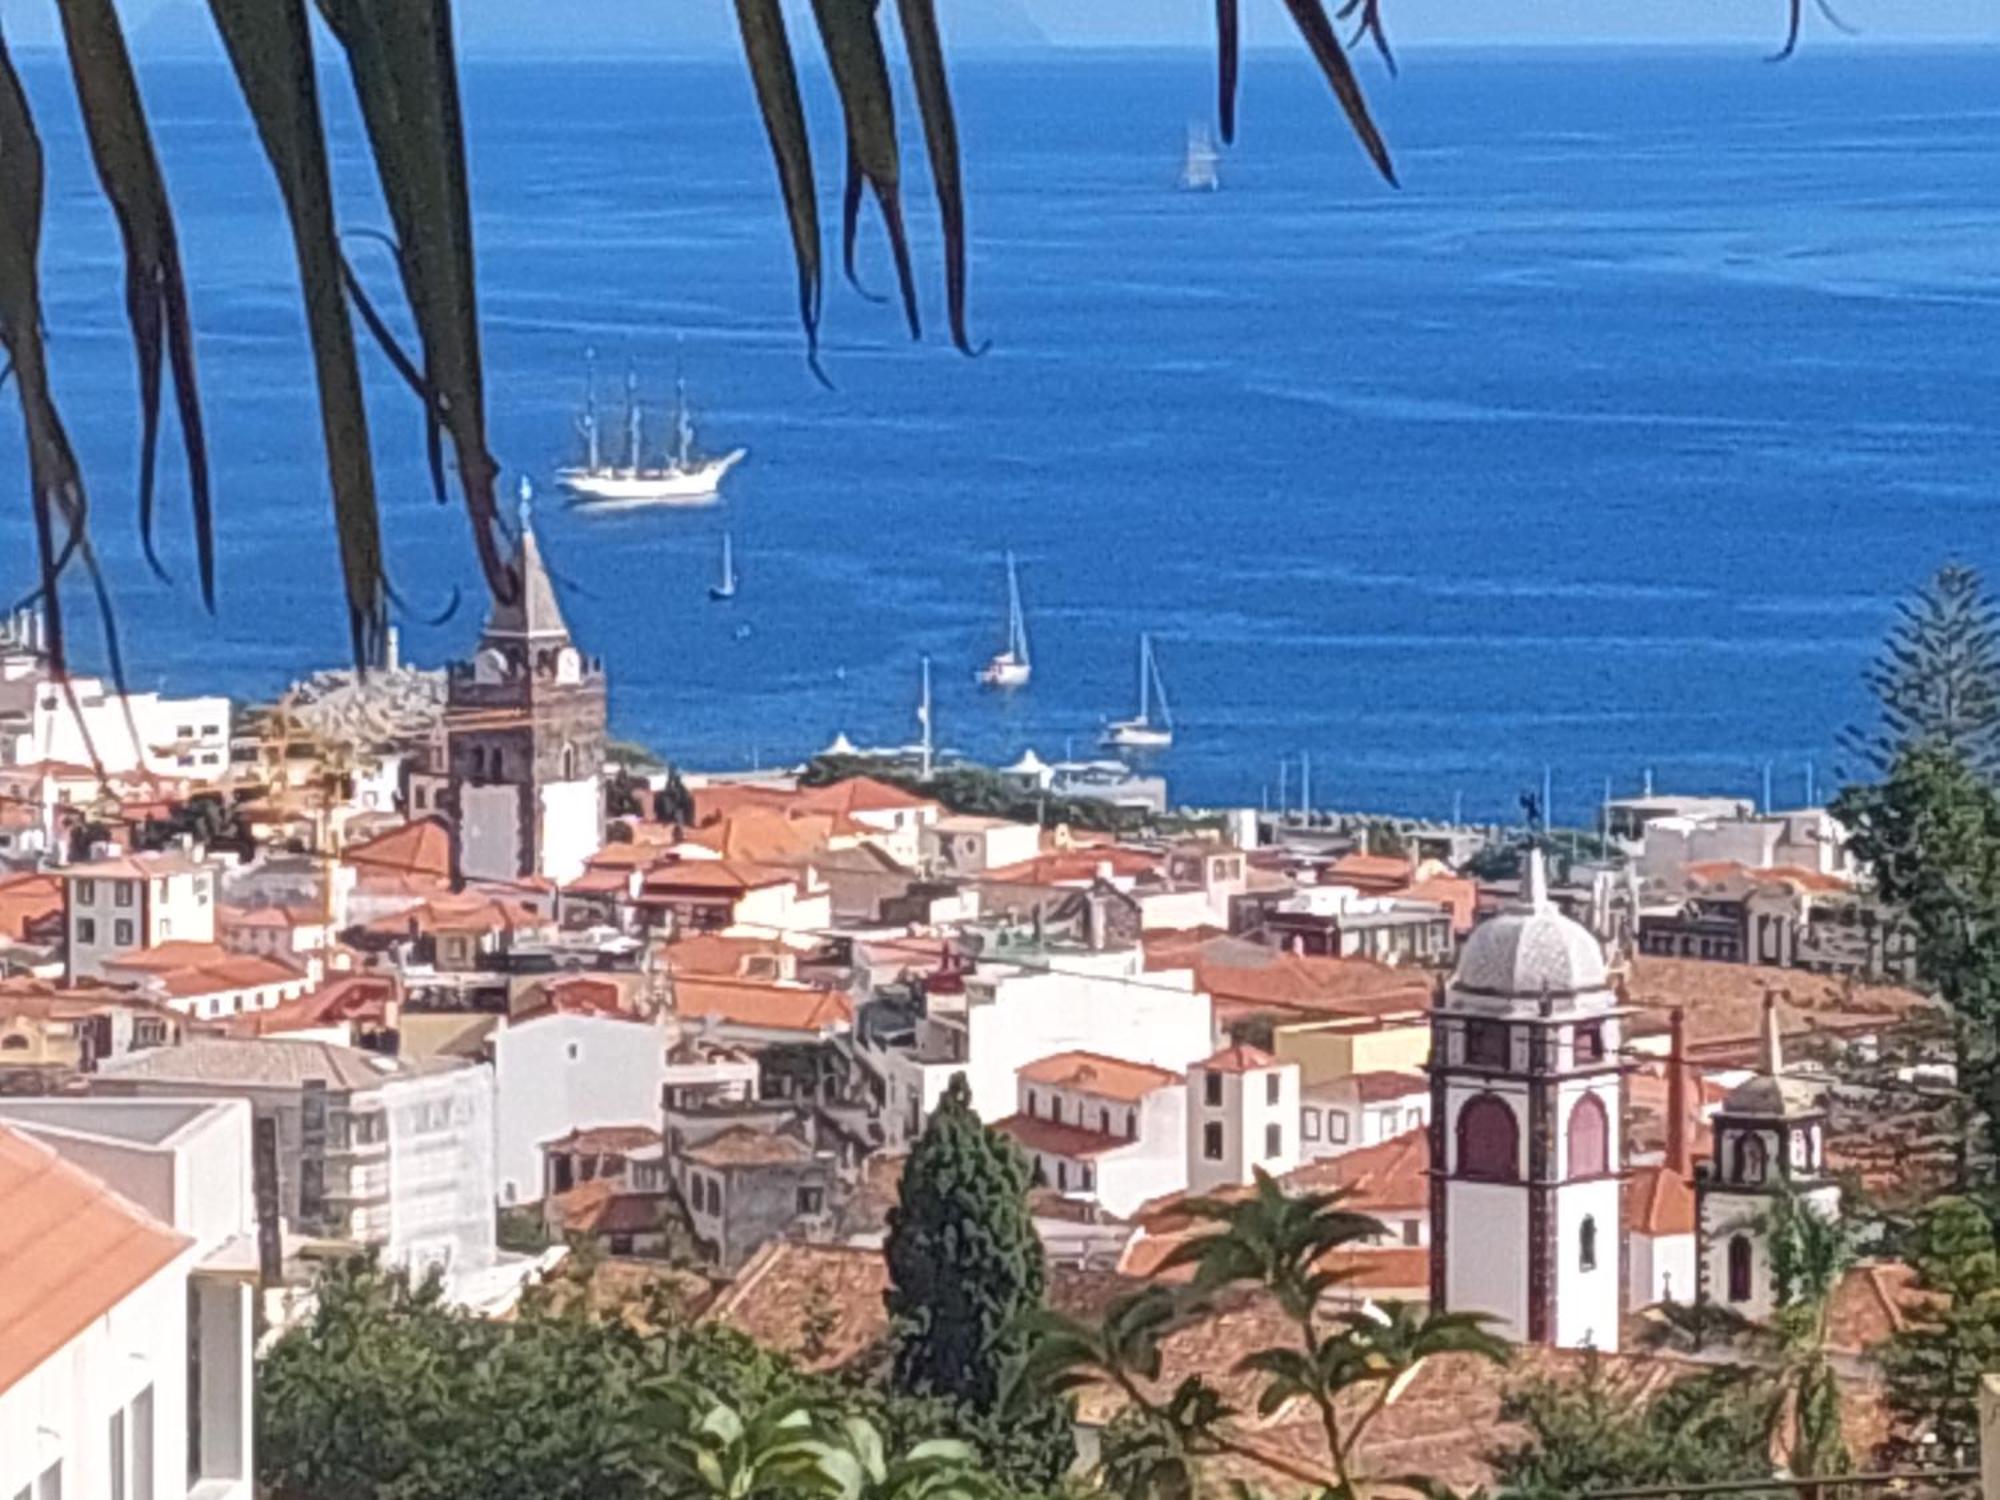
<point>552,27</point>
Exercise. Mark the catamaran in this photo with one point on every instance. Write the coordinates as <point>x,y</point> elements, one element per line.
<point>1199,173</point>
<point>726,589</point>
<point>1142,732</point>
<point>1010,668</point>
<point>686,478</point>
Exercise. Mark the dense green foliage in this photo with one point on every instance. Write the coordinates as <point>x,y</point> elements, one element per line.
<point>390,1394</point>
<point>1344,1365</point>
<point>965,1269</point>
<point>1933,1365</point>
<point>1590,1434</point>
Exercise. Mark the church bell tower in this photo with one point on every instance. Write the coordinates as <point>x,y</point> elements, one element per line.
<point>524,737</point>
<point>1526,1129</point>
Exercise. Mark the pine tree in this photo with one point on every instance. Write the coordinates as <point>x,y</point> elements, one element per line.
<point>1937,679</point>
<point>965,1268</point>
<point>1934,1364</point>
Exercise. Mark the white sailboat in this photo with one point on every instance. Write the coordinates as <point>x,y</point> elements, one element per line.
<point>1010,668</point>
<point>726,589</point>
<point>1143,732</point>
<point>1199,172</point>
<point>685,478</point>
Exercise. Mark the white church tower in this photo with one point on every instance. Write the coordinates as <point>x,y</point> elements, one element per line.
<point>1770,1132</point>
<point>1526,1129</point>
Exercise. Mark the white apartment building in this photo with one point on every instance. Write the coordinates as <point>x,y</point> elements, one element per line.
<point>1354,1110</point>
<point>127,1269</point>
<point>186,738</point>
<point>556,1071</point>
<point>1242,1118</point>
<point>135,901</point>
<point>1811,840</point>
<point>377,1150</point>
<point>1026,1001</point>
<point>1102,1129</point>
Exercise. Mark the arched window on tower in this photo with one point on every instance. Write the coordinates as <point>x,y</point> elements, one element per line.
<point>569,763</point>
<point>478,765</point>
<point>1752,1163</point>
<point>1589,1139</point>
<point>1739,1268</point>
<point>493,766</point>
<point>1586,1244</point>
<point>1489,1142</point>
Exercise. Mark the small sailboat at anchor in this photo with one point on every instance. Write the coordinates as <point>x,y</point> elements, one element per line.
<point>1010,667</point>
<point>725,590</point>
<point>1143,731</point>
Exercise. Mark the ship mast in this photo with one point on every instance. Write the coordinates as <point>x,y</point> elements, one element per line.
<point>589,420</point>
<point>632,415</point>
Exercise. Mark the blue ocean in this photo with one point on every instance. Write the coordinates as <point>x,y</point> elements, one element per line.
<point>1608,442</point>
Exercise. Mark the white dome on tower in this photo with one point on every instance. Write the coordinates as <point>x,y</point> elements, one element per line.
<point>1530,950</point>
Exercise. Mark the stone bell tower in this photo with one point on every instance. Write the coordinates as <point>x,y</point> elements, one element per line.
<point>524,737</point>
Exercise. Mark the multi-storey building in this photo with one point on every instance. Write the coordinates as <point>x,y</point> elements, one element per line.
<point>133,902</point>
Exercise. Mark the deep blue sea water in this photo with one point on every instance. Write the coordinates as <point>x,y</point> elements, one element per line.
<point>1608,442</point>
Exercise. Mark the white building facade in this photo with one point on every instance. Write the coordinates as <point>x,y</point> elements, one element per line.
<point>1527,1089</point>
<point>555,1072</point>
<point>1243,1117</point>
<point>135,901</point>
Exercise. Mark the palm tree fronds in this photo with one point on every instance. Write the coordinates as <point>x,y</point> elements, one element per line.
<point>861,76</point>
<point>768,49</point>
<point>270,48</point>
<point>1311,18</point>
<point>1228,46</point>
<point>926,50</point>
<point>156,302</point>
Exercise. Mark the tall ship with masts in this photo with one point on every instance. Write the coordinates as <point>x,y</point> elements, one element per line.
<point>1201,172</point>
<point>684,477</point>
<point>1010,667</point>
<point>1152,728</point>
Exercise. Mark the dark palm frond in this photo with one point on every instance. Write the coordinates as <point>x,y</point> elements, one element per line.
<point>156,303</point>
<point>768,49</point>
<point>926,50</point>
<point>401,58</point>
<point>1271,1238</point>
<point>1228,45</point>
<point>270,48</point>
<point>861,77</point>
<point>1311,18</point>
<point>1367,18</point>
<point>851,188</point>
<point>1795,22</point>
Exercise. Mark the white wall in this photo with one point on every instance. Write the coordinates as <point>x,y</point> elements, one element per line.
<point>1245,1114</point>
<point>1586,1301</point>
<point>558,1073</point>
<point>1486,1253</point>
<point>53,731</point>
<point>489,832</point>
<point>572,827</point>
<point>1663,1269</point>
<point>441,1180</point>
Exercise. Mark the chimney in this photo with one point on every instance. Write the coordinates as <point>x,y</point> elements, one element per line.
<point>1774,1058</point>
<point>1677,1131</point>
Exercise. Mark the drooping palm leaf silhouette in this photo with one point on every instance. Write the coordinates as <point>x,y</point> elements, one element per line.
<point>401,61</point>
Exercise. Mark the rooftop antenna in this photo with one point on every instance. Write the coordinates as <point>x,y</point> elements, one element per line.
<point>1548,794</point>
<point>1306,787</point>
<point>1812,784</point>
<point>924,717</point>
<point>1284,790</point>
<point>1649,781</point>
<point>1768,802</point>
<point>1458,808</point>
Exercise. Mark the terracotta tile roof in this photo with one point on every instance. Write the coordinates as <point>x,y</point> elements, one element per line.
<point>237,972</point>
<point>28,901</point>
<point>1076,866</point>
<point>469,912</point>
<point>747,1146</point>
<point>711,953</point>
<point>617,1140</point>
<point>1391,1269</point>
<point>1724,1002</point>
<point>578,995</point>
<point>601,1207</point>
<point>608,880</point>
<point>1658,1202</point>
<point>1099,1076</point>
<point>1392,1175</point>
<point>421,848</point>
<point>720,877</point>
<point>1242,1058</point>
<point>1457,892</point>
<point>1380,1085</point>
<point>1372,872</point>
<point>1251,979</point>
<point>1874,1301</point>
<point>762,1007</point>
<point>1728,871</point>
<point>164,958</point>
<point>354,997</point>
<point>54,1220</point>
<point>858,794</point>
<point>266,1062</point>
<point>147,865</point>
<point>1037,1134</point>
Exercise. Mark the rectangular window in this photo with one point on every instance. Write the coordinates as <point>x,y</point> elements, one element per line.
<point>1309,1124</point>
<point>1211,1140</point>
<point>86,892</point>
<point>121,893</point>
<point>1274,1140</point>
<point>1336,1127</point>
<point>1590,1043</point>
<point>1486,1044</point>
<point>811,1200</point>
<point>121,933</point>
<point>86,930</point>
<point>118,1455</point>
<point>1271,1088</point>
<point>1413,1231</point>
<point>1212,1090</point>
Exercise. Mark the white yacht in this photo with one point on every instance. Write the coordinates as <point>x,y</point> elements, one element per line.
<point>1010,668</point>
<point>1144,731</point>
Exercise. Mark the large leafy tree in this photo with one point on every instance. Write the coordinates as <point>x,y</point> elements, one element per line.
<point>1937,678</point>
<point>966,1270</point>
<point>1934,1363</point>
<point>1929,833</point>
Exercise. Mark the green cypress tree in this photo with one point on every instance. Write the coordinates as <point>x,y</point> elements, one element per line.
<point>1937,679</point>
<point>1933,1365</point>
<point>965,1266</point>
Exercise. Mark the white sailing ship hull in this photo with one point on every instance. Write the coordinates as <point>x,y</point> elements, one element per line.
<point>1005,671</point>
<point>697,484</point>
<point>1132,734</point>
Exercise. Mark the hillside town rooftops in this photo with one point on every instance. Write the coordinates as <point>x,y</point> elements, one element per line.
<point>268,1062</point>
<point>1100,1076</point>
